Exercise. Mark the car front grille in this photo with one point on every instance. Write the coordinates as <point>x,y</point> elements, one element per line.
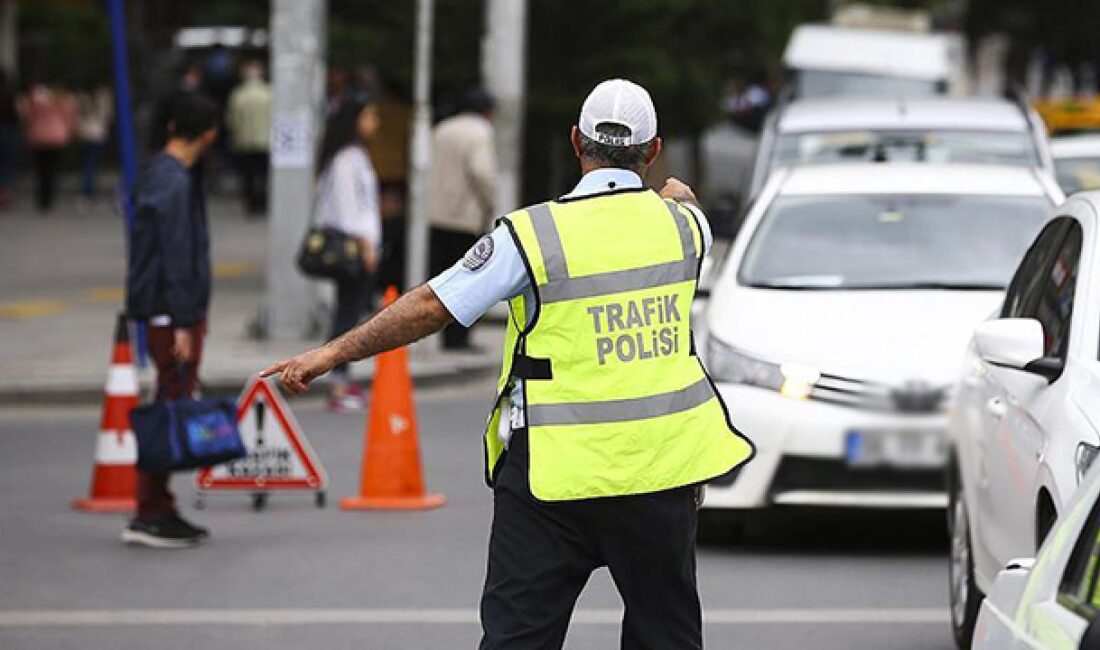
<point>800,473</point>
<point>910,397</point>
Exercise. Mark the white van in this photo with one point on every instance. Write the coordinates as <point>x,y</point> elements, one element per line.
<point>826,60</point>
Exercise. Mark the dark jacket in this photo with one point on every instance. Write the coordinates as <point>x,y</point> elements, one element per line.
<point>169,262</point>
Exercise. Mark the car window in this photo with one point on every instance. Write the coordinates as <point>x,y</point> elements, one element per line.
<point>922,241</point>
<point>1054,309</point>
<point>829,83</point>
<point>1077,174</point>
<point>933,145</point>
<point>1023,290</point>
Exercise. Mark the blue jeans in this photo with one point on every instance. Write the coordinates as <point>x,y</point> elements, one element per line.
<point>91,156</point>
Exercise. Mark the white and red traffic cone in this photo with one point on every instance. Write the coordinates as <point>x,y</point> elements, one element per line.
<point>114,478</point>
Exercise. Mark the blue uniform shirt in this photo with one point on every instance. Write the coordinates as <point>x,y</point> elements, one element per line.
<point>477,282</point>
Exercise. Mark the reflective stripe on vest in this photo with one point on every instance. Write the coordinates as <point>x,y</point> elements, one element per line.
<point>619,410</point>
<point>625,407</point>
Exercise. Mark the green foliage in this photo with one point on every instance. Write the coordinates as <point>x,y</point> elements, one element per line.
<point>67,43</point>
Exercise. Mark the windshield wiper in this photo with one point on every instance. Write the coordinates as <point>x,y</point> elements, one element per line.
<point>947,286</point>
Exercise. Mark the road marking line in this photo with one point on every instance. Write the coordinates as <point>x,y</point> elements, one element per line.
<point>25,309</point>
<point>105,294</point>
<point>230,270</point>
<point>152,617</point>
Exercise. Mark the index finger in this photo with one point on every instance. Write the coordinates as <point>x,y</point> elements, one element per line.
<point>274,368</point>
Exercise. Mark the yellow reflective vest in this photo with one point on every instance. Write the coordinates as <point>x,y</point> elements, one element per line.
<point>616,402</point>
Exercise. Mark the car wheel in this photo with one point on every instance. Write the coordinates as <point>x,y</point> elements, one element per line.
<point>720,526</point>
<point>966,598</point>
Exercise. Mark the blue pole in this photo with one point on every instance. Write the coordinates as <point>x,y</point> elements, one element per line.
<point>127,148</point>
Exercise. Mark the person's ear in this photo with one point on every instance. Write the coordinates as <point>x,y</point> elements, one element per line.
<point>654,150</point>
<point>210,136</point>
<point>575,138</point>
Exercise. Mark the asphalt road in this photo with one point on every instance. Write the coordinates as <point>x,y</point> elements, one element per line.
<point>294,576</point>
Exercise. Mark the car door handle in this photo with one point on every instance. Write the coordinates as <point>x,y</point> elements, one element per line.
<point>996,407</point>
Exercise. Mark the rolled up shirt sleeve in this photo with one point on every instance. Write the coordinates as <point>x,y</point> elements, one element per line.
<point>470,287</point>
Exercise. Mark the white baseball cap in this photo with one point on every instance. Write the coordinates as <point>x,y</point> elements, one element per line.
<point>622,102</point>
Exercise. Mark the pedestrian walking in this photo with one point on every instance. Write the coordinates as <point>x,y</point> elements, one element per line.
<point>462,185</point>
<point>9,137</point>
<point>48,114</point>
<point>347,200</point>
<point>605,422</point>
<point>95,110</point>
<point>168,287</point>
<point>248,118</point>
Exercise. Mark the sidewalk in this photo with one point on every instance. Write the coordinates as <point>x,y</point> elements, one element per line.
<point>62,285</point>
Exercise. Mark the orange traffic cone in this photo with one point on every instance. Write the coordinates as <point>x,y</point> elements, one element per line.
<point>391,477</point>
<point>114,479</point>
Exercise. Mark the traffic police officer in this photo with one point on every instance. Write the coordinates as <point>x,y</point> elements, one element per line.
<point>605,422</point>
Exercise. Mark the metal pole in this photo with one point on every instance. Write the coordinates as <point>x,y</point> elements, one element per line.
<point>298,70</point>
<point>127,147</point>
<point>416,255</point>
<point>503,58</point>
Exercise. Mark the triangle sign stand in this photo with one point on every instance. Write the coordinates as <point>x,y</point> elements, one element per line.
<point>279,454</point>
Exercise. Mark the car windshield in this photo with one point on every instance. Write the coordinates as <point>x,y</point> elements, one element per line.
<point>831,83</point>
<point>1077,174</point>
<point>942,146</point>
<point>891,242</point>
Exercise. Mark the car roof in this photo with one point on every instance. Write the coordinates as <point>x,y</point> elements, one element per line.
<point>911,178</point>
<point>1075,146</point>
<point>873,51</point>
<point>969,114</point>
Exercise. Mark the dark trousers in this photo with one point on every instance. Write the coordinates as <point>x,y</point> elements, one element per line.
<point>541,555</point>
<point>46,161</point>
<point>173,382</point>
<point>447,247</point>
<point>253,168</point>
<point>353,299</point>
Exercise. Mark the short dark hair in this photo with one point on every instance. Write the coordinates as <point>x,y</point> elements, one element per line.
<point>478,100</point>
<point>630,157</point>
<point>190,115</point>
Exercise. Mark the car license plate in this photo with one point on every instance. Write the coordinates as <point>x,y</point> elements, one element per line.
<point>903,448</point>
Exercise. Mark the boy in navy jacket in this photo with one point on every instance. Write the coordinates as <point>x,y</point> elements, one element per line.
<point>168,287</point>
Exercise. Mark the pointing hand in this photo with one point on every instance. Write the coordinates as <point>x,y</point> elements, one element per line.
<point>296,373</point>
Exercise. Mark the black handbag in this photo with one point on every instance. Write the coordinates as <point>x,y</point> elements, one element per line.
<point>332,254</point>
<point>174,435</point>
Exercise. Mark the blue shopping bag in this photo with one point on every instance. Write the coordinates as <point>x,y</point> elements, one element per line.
<point>174,435</point>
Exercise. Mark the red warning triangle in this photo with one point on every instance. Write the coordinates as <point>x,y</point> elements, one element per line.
<point>279,454</point>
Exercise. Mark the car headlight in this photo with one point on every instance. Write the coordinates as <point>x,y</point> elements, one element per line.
<point>1083,459</point>
<point>727,364</point>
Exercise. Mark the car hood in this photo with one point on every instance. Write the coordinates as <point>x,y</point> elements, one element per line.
<point>888,336</point>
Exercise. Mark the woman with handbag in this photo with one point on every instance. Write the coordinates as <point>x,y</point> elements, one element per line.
<point>347,203</point>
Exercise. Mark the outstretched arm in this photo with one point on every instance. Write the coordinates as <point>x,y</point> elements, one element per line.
<point>410,318</point>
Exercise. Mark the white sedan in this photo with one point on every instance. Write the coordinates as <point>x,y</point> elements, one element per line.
<point>1052,602</point>
<point>836,323</point>
<point>1026,419</point>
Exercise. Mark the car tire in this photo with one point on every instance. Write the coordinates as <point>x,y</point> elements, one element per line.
<point>720,526</point>
<point>966,598</point>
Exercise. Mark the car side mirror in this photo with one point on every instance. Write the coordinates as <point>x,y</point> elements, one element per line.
<point>1016,343</point>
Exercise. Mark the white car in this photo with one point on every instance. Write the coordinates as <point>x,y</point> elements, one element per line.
<point>835,326</point>
<point>1026,418</point>
<point>1051,602</point>
<point>929,129</point>
<point>1077,162</point>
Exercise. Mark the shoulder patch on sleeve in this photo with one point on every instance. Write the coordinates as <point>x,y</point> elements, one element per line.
<point>479,254</point>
